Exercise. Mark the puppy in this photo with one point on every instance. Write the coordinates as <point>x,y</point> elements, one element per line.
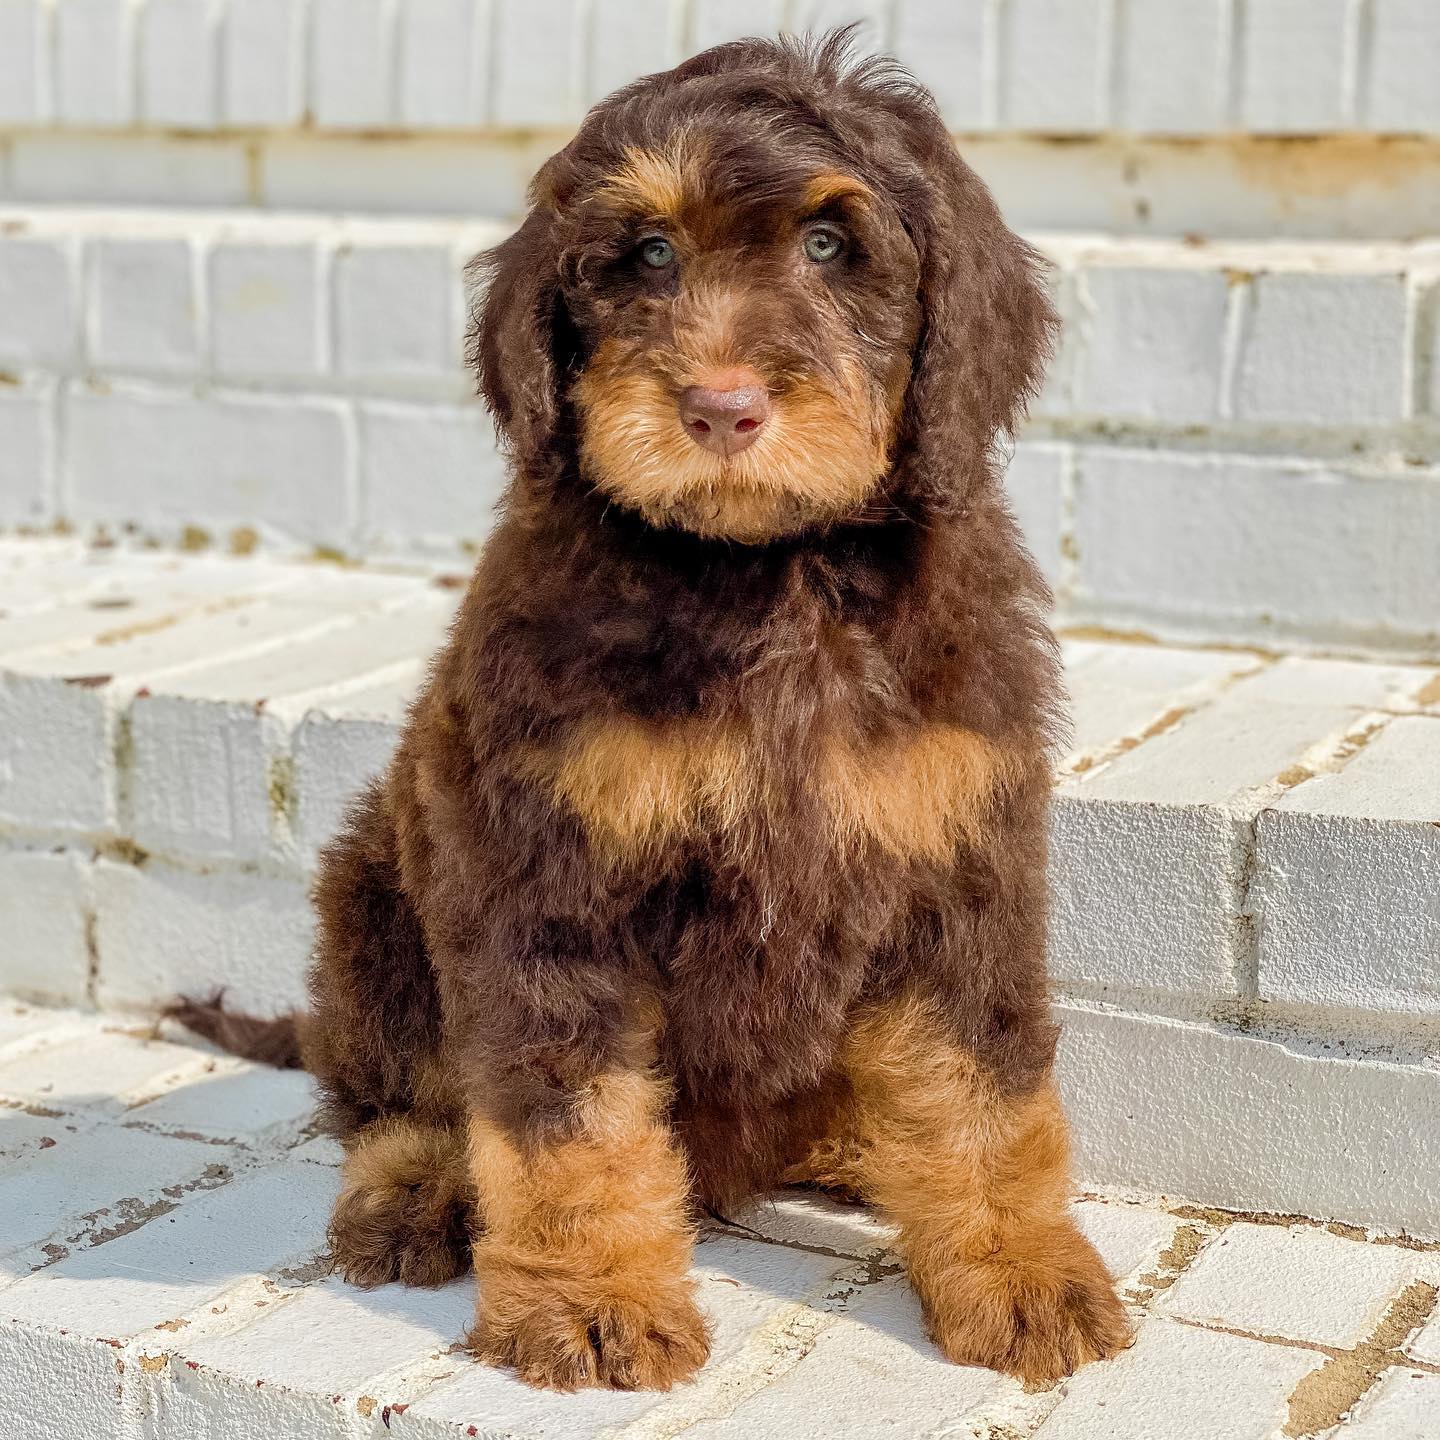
<point>713,853</point>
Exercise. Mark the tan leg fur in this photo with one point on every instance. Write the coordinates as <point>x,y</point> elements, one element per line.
<point>978,1184</point>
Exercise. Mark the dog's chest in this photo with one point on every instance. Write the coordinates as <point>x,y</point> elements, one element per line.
<point>641,788</point>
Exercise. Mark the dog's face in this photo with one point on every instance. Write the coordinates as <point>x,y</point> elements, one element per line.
<point>747,320</point>
<point>758,294</point>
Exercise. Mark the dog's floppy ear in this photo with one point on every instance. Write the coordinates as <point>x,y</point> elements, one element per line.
<point>515,340</point>
<point>988,327</point>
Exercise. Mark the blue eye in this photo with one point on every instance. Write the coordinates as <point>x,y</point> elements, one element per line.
<point>823,244</point>
<point>657,253</point>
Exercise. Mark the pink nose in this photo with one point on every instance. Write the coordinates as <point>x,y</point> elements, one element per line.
<point>724,421</point>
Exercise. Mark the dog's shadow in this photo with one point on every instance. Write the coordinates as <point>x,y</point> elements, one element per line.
<point>800,1244</point>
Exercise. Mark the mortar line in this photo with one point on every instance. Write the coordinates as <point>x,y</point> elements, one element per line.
<point>1235,11</point>
<point>1356,43</point>
<point>1110,81</point>
<point>994,62</point>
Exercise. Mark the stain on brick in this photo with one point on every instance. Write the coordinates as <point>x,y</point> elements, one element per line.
<point>281,788</point>
<point>122,851</point>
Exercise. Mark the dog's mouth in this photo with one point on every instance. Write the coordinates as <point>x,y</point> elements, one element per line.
<point>728,452</point>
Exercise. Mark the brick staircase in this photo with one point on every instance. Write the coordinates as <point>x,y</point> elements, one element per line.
<point>231,302</point>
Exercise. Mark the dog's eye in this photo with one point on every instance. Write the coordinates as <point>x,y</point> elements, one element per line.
<point>823,244</point>
<point>657,252</point>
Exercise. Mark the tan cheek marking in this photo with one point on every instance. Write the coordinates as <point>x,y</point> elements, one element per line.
<point>819,456</point>
<point>637,786</point>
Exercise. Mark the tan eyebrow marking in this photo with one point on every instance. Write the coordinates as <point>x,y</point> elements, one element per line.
<point>832,186</point>
<point>656,182</point>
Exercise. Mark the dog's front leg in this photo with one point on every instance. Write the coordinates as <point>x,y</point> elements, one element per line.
<point>584,1257</point>
<point>977,1181</point>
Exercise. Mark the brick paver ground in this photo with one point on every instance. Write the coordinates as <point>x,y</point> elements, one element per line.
<point>163,1274</point>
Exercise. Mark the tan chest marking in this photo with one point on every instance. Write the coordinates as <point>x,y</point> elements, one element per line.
<point>637,785</point>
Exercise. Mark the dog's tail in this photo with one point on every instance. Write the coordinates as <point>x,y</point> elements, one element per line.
<point>278,1042</point>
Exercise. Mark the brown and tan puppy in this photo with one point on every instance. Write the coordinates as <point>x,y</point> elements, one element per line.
<point>713,853</point>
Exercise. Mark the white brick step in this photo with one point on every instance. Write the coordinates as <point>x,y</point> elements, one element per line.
<point>1313,117</point>
<point>163,1274</point>
<point>1246,939</point>
<point>1238,441</point>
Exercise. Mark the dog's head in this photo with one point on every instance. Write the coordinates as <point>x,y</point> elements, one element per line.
<point>758,293</point>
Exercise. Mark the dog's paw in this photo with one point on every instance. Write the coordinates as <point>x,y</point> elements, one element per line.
<point>556,1336</point>
<point>417,1234</point>
<point>1036,1318</point>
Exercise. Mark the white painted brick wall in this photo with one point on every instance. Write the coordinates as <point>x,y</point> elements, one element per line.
<point>145,316</point>
<point>212,773</point>
<point>538,60</point>
<point>1293,69</point>
<point>269,309</point>
<point>1428,359</point>
<point>65,732</point>
<point>1405,50</point>
<point>443,53</point>
<point>426,474</point>
<point>399,312</point>
<point>146,169</point>
<point>352,55</point>
<point>44,901</point>
<point>1324,349</point>
<point>25,70</point>
<point>27,454</point>
<point>1035,482</point>
<point>179,55</point>
<point>1172,539</point>
<point>1130,1079</point>
<point>39,300</point>
<point>1174,63</point>
<point>630,38</point>
<point>1304,66</point>
<point>342,744</point>
<point>95,62</point>
<point>1345,879</point>
<point>1152,849</point>
<point>814,17</point>
<point>1055,62</point>
<point>264,62</point>
<point>713,22</point>
<point>946,47</point>
<point>160,931</point>
<point>217,461</point>
<point>1154,343</point>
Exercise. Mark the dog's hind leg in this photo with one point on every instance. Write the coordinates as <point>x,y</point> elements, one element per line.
<point>375,1044</point>
<point>406,1206</point>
